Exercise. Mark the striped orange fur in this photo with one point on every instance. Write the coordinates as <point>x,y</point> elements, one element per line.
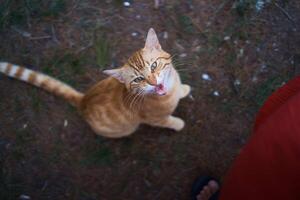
<point>146,89</point>
<point>40,80</point>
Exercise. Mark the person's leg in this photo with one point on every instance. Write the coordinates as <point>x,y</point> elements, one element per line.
<point>268,167</point>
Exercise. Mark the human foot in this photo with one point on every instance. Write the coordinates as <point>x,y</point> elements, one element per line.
<point>205,188</point>
<point>211,188</point>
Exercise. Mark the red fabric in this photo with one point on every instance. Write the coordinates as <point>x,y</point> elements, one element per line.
<point>278,98</point>
<point>268,167</point>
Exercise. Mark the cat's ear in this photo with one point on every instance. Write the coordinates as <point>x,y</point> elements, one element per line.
<point>152,40</point>
<point>116,73</point>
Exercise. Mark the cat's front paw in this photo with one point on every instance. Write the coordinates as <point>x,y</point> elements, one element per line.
<point>186,89</point>
<point>178,124</point>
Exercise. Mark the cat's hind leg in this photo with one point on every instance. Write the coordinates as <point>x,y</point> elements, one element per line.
<point>171,122</point>
<point>185,90</point>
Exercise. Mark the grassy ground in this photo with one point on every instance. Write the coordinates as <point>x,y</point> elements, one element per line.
<point>48,152</point>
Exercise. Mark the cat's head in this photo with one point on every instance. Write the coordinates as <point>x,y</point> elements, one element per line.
<point>147,71</point>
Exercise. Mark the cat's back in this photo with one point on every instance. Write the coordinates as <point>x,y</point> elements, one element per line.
<point>103,108</point>
<point>107,91</point>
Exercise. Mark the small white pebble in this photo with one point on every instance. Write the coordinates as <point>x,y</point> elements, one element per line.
<point>25,126</point>
<point>66,123</point>
<point>23,33</point>
<point>216,93</point>
<point>126,3</point>
<point>26,34</point>
<point>138,17</point>
<point>263,68</point>
<point>237,82</point>
<point>292,62</point>
<point>227,38</point>
<point>166,35</point>
<point>254,79</point>
<point>183,55</point>
<point>259,5</point>
<point>197,48</point>
<point>206,77</point>
<point>134,34</point>
<point>24,197</point>
<point>191,97</point>
<point>241,53</point>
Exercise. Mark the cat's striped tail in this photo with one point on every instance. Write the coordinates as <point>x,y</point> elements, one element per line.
<point>43,81</point>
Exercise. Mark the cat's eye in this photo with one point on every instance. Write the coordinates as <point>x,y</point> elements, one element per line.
<point>153,66</point>
<point>138,79</point>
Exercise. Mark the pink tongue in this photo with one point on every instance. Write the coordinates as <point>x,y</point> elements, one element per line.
<point>160,89</point>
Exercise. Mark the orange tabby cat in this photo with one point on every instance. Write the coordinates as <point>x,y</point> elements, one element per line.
<point>146,89</point>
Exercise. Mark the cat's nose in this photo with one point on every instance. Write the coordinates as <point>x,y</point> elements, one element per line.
<point>152,80</point>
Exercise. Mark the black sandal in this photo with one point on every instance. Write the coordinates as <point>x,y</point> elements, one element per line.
<point>199,184</point>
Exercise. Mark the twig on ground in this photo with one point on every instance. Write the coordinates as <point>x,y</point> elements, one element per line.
<point>218,9</point>
<point>285,13</point>
<point>91,43</point>
<point>40,37</point>
<point>21,32</point>
<point>197,26</point>
<point>191,97</point>
<point>54,35</point>
<point>28,18</point>
<point>74,7</point>
<point>45,185</point>
<point>28,35</point>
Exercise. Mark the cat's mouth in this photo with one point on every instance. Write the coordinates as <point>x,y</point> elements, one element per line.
<point>160,89</point>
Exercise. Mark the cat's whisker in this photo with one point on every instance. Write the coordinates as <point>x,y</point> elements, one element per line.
<point>181,63</point>
<point>140,100</point>
<point>173,56</point>
<point>132,104</point>
<point>128,98</point>
<point>127,101</point>
<point>188,70</point>
<point>143,99</point>
<point>183,67</point>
